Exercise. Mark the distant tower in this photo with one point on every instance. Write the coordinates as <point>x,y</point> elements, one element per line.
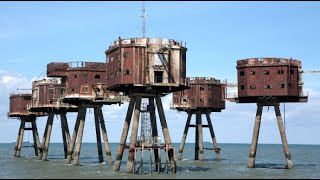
<point>46,98</point>
<point>18,110</point>
<point>204,96</point>
<point>269,82</point>
<point>84,86</point>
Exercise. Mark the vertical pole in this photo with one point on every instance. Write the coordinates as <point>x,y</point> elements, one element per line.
<point>36,141</point>
<point>184,136</point>
<point>117,163</point>
<point>105,136</point>
<point>214,140</point>
<point>74,136</point>
<point>66,128</point>
<point>96,118</point>
<point>283,137</point>
<point>80,135</point>
<point>134,132</point>
<point>46,145</point>
<point>196,143</point>
<point>63,130</point>
<point>43,140</point>
<point>17,141</point>
<point>255,137</point>
<point>154,129</point>
<point>199,126</point>
<point>22,125</point>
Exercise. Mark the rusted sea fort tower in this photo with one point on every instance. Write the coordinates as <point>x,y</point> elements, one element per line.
<point>269,82</point>
<point>205,95</point>
<point>84,86</point>
<point>46,98</point>
<point>146,68</point>
<point>18,110</point>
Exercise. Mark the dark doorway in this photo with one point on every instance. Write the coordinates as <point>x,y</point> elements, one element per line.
<point>158,76</point>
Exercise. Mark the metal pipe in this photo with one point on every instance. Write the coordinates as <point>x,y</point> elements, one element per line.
<point>196,143</point>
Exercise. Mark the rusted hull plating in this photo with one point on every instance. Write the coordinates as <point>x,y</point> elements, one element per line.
<point>146,62</point>
<point>204,93</point>
<point>269,77</point>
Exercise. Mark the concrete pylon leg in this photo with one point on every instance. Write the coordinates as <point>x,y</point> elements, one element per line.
<point>80,135</point>
<point>255,137</point>
<point>134,132</point>
<point>22,125</point>
<point>196,143</point>
<point>66,129</point>
<point>166,133</point>
<point>99,146</point>
<point>117,163</point>
<point>163,121</point>
<point>43,140</point>
<point>46,145</point>
<point>17,141</point>
<point>36,141</point>
<point>184,136</point>
<point>214,140</point>
<point>105,136</point>
<point>153,122</point>
<point>63,130</point>
<point>74,136</point>
<point>199,126</point>
<point>283,137</point>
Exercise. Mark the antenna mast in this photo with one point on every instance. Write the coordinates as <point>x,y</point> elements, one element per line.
<point>143,16</point>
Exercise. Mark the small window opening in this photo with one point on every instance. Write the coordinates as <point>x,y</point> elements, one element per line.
<point>253,87</point>
<point>280,71</point>
<point>266,72</point>
<point>158,76</point>
<point>282,86</point>
<point>241,73</point>
<point>97,76</point>
<point>201,88</point>
<point>252,72</point>
<point>75,76</point>
<point>201,100</point>
<point>268,86</point>
<point>184,100</point>
<point>291,71</point>
<point>241,86</point>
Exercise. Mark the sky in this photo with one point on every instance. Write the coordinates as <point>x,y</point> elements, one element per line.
<point>217,34</point>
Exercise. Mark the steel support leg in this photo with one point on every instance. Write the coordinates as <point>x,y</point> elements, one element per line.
<point>41,146</point>
<point>63,130</point>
